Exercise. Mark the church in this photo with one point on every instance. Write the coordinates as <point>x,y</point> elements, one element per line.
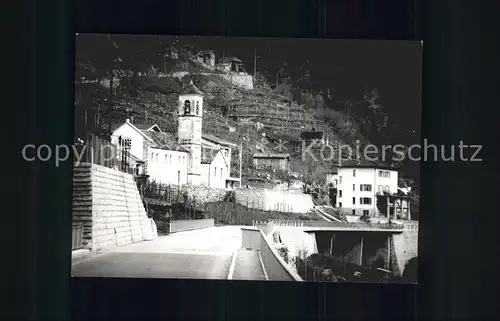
<point>186,157</point>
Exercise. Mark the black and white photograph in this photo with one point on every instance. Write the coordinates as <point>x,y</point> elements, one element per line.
<point>259,159</point>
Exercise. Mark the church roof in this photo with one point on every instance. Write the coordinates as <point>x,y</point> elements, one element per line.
<point>217,140</point>
<point>191,89</point>
<point>166,141</point>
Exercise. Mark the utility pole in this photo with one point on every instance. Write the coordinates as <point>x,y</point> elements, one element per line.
<point>165,63</point>
<point>241,156</point>
<point>254,62</point>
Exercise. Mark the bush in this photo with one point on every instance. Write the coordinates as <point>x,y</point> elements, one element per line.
<point>283,252</point>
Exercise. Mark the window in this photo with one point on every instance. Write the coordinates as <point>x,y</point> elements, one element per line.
<point>353,187</point>
<point>340,204</point>
<point>353,200</point>
<point>340,179</point>
<point>179,159</point>
<point>170,159</point>
<point>353,212</point>
<point>366,212</point>
<point>215,171</point>
<point>156,160</point>
<point>387,188</point>
<point>365,187</point>
<point>166,159</point>
<point>187,107</point>
<point>365,200</point>
<point>385,174</point>
<point>340,193</point>
<point>336,181</point>
<point>152,156</point>
<point>353,173</point>
<point>221,170</point>
<point>197,108</point>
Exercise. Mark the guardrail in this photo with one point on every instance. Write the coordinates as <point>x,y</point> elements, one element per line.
<point>77,237</point>
<point>187,225</point>
<point>277,269</point>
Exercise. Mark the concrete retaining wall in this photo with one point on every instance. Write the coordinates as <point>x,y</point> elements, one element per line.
<point>277,269</point>
<point>405,245</point>
<point>108,203</point>
<point>273,200</point>
<point>187,225</point>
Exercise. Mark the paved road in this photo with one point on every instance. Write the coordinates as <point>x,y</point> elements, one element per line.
<point>248,266</point>
<point>201,254</point>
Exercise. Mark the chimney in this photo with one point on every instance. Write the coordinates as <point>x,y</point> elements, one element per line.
<point>127,120</point>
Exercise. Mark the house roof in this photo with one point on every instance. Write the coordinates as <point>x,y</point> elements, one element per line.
<point>311,135</point>
<point>271,155</point>
<point>208,154</point>
<point>226,60</point>
<point>364,163</point>
<point>191,89</point>
<point>127,122</point>
<point>147,126</point>
<point>217,140</point>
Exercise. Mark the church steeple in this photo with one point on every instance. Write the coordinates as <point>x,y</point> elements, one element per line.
<point>190,113</point>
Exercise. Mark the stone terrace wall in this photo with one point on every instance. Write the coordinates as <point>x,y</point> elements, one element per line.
<point>107,203</point>
<point>204,194</point>
<point>250,197</point>
<point>405,244</point>
<point>244,81</point>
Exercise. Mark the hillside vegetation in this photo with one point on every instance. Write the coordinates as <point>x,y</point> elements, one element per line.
<point>257,119</point>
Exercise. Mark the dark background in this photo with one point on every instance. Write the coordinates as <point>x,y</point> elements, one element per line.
<point>457,241</point>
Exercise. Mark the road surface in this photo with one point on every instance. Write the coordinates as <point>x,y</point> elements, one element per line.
<point>210,253</point>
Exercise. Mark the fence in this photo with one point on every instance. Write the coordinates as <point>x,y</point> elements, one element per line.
<point>331,269</point>
<point>310,223</point>
<point>162,194</point>
<point>100,151</point>
<point>77,237</point>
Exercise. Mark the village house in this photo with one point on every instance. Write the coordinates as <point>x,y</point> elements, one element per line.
<point>278,161</point>
<point>231,64</point>
<point>317,137</point>
<point>187,157</point>
<point>207,58</point>
<point>362,183</point>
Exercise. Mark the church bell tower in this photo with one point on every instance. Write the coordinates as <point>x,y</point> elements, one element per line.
<point>190,113</point>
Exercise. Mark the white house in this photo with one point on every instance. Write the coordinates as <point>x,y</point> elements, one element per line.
<point>359,182</point>
<point>189,157</point>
